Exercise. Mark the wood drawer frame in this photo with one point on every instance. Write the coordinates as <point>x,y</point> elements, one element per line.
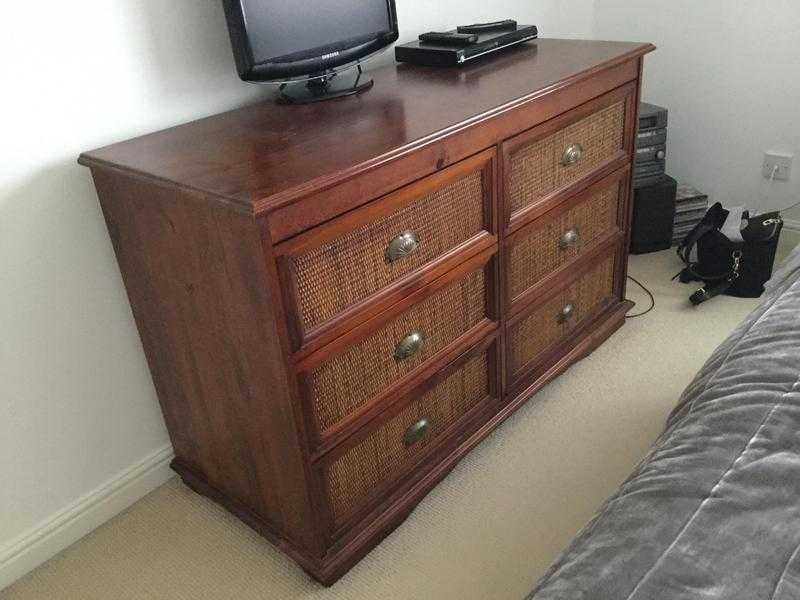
<point>306,342</point>
<point>627,93</point>
<point>529,371</point>
<point>322,441</point>
<point>534,293</point>
<point>417,468</point>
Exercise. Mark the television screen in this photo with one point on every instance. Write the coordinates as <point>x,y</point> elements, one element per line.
<point>276,39</point>
<point>286,28</point>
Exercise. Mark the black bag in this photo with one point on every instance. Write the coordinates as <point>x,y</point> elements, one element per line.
<point>730,267</point>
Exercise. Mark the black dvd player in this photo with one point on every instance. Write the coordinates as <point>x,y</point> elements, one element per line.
<point>652,117</point>
<point>438,54</point>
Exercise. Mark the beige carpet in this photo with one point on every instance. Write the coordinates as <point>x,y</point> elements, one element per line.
<point>488,531</point>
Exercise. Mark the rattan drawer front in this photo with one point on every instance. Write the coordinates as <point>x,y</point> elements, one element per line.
<point>348,381</point>
<point>554,242</point>
<point>546,326</point>
<point>350,268</point>
<point>544,166</point>
<point>398,443</point>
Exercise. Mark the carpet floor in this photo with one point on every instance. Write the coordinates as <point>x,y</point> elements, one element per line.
<point>489,530</point>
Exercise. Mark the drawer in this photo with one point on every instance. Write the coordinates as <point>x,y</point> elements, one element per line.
<point>563,152</point>
<point>341,384</point>
<point>381,453</point>
<point>338,269</point>
<point>552,322</point>
<point>554,242</point>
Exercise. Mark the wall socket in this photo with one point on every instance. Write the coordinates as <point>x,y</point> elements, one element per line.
<point>781,160</point>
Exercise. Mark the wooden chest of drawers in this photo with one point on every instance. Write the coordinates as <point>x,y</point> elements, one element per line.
<point>338,301</point>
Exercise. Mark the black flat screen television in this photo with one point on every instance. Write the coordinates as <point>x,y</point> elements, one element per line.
<point>290,40</point>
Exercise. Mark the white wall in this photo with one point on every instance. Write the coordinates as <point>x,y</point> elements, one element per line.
<point>81,435</point>
<point>728,72</point>
<point>77,406</point>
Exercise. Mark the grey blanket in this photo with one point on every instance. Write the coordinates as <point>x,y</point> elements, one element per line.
<point>713,510</point>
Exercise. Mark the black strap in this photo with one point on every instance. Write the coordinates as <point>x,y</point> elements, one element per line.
<point>685,252</point>
<point>712,221</point>
<point>688,244</point>
<point>708,292</point>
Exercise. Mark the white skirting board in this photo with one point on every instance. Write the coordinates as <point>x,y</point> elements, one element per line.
<point>83,516</point>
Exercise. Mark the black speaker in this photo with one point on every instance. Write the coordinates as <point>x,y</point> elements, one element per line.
<point>653,216</point>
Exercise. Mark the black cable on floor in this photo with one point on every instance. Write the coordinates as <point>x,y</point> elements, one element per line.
<point>649,294</point>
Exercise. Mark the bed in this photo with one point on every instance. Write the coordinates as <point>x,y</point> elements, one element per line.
<point>713,510</point>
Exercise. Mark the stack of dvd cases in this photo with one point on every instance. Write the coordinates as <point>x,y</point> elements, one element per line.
<point>690,206</point>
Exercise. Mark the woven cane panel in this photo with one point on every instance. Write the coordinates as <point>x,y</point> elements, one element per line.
<point>536,169</point>
<point>349,380</point>
<point>541,330</point>
<point>383,453</point>
<point>539,253</point>
<point>349,269</point>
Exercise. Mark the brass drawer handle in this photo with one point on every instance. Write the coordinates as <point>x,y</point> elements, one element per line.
<point>404,244</point>
<point>572,154</point>
<point>417,432</point>
<point>569,239</point>
<point>409,345</point>
<point>567,313</point>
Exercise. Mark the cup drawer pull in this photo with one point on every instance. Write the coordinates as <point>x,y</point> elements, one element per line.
<point>417,432</point>
<point>567,313</point>
<point>404,244</point>
<point>572,154</point>
<point>409,345</point>
<point>570,239</point>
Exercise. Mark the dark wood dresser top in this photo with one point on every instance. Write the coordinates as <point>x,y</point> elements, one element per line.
<point>260,155</point>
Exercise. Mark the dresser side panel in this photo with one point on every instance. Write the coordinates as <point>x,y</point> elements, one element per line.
<point>627,209</point>
<point>199,289</point>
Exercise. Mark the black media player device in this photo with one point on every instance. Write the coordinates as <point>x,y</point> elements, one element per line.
<point>449,38</point>
<point>651,146</point>
<point>652,117</point>
<point>438,54</point>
